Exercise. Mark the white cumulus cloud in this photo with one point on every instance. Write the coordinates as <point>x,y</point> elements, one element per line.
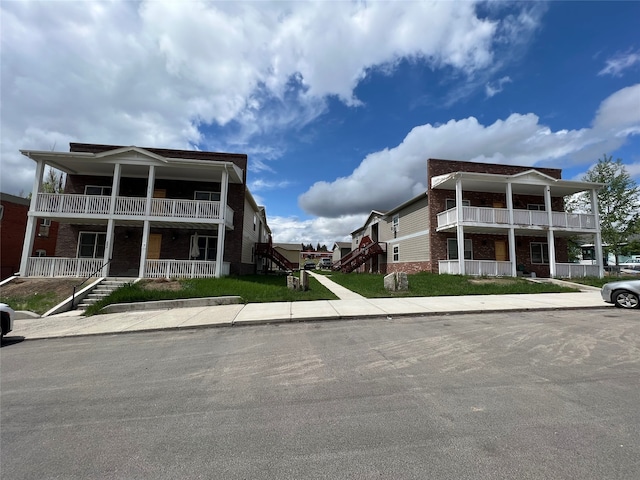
<point>156,73</point>
<point>386,178</point>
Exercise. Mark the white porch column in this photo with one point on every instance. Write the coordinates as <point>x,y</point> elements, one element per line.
<point>595,209</point>
<point>550,236</point>
<point>512,232</point>
<point>29,234</point>
<point>224,188</point>
<point>143,250</point>
<point>460,228</point>
<point>150,186</point>
<point>115,188</point>
<point>108,247</point>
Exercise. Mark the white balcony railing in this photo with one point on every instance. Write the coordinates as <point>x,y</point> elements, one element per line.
<point>575,270</point>
<point>182,269</point>
<point>94,205</point>
<point>490,268</point>
<point>83,267</point>
<point>533,218</point>
<point>62,267</point>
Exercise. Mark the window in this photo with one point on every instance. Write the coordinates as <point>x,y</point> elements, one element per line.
<point>1,211</point>
<point>96,190</point>
<point>396,253</point>
<point>91,244</point>
<point>43,230</point>
<point>395,223</point>
<point>208,196</point>
<point>255,221</point>
<point>536,206</point>
<point>451,203</point>
<point>41,253</point>
<point>539,252</point>
<point>452,249</point>
<point>207,246</point>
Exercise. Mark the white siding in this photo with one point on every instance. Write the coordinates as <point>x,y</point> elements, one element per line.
<point>249,235</point>
<point>412,234</point>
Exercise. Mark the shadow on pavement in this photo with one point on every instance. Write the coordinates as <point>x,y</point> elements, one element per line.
<point>8,341</point>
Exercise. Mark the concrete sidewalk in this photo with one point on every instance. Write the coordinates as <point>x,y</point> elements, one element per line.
<point>350,306</point>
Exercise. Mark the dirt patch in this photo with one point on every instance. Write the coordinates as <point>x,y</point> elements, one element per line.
<point>493,281</point>
<point>161,284</point>
<point>23,287</point>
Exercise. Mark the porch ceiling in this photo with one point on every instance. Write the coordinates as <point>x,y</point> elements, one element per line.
<point>136,164</point>
<point>519,232</point>
<point>139,223</point>
<point>532,184</point>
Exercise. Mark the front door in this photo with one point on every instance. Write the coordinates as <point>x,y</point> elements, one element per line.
<point>153,249</point>
<point>501,251</point>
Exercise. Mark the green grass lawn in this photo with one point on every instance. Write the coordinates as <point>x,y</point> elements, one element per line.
<point>599,282</point>
<point>38,302</point>
<point>432,285</point>
<point>251,288</point>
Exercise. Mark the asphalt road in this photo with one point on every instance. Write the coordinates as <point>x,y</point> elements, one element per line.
<point>547,395</point>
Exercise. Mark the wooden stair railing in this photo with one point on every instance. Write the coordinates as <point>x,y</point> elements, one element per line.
<point>266,250</point>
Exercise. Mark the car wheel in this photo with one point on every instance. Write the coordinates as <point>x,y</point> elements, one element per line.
<point>4,324</point>
<point>625,299</point>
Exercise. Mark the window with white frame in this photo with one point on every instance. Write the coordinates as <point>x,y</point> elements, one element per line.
<point>452,249</point>
<point>255,221</point>
<point>451,203</point>
<point>41,253</point>
<point>395,223</point>
<point>536,206</point>
<point>97,190</point>
<point>396,253</point>
<point>45,222</point>
<point>91,244</point>
<point>207,248</point>
<point>206,195</point>
<point>539,252</point>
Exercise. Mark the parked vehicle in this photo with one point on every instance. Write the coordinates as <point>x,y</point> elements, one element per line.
<point>6,314</point>
<point>623,294</point>
<point>309,265</point>
<point>325,262</point>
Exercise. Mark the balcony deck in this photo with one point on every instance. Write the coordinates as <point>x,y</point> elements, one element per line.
<point>532,219</point>
<point>129,208</point>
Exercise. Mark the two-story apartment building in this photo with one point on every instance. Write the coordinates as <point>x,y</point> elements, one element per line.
<point>145,212</point>
<point>484,219</point>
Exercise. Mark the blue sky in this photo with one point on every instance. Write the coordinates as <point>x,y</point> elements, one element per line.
<point>338,104</point>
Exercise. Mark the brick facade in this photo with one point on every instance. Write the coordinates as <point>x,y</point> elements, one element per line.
<point>13,226</point>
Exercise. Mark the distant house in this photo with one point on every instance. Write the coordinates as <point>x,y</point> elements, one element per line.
<point>145,212</point>
<point>340,249</point>
<point>13,224</point>
<point>480,219</point>
<point>290,251</point>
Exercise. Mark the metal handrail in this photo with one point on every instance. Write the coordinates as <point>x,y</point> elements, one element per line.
<point>73,296</point>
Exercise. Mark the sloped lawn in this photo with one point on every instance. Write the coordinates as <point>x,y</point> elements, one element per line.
<point>251,288</point>
<point>433,285</point>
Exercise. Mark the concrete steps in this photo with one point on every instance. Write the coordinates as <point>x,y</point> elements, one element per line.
<point>102,290</point>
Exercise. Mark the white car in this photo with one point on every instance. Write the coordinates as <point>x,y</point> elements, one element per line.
<point>325,262</point>
<point>623,294</point>
<point>7,314</point>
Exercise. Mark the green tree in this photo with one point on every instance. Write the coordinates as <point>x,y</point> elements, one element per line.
<point>618,203</point>
<point>53,182</point>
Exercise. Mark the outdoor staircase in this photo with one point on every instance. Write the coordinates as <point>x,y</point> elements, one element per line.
<point>366,250</point>
<point>266,250</point>
<point>102,290</point>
